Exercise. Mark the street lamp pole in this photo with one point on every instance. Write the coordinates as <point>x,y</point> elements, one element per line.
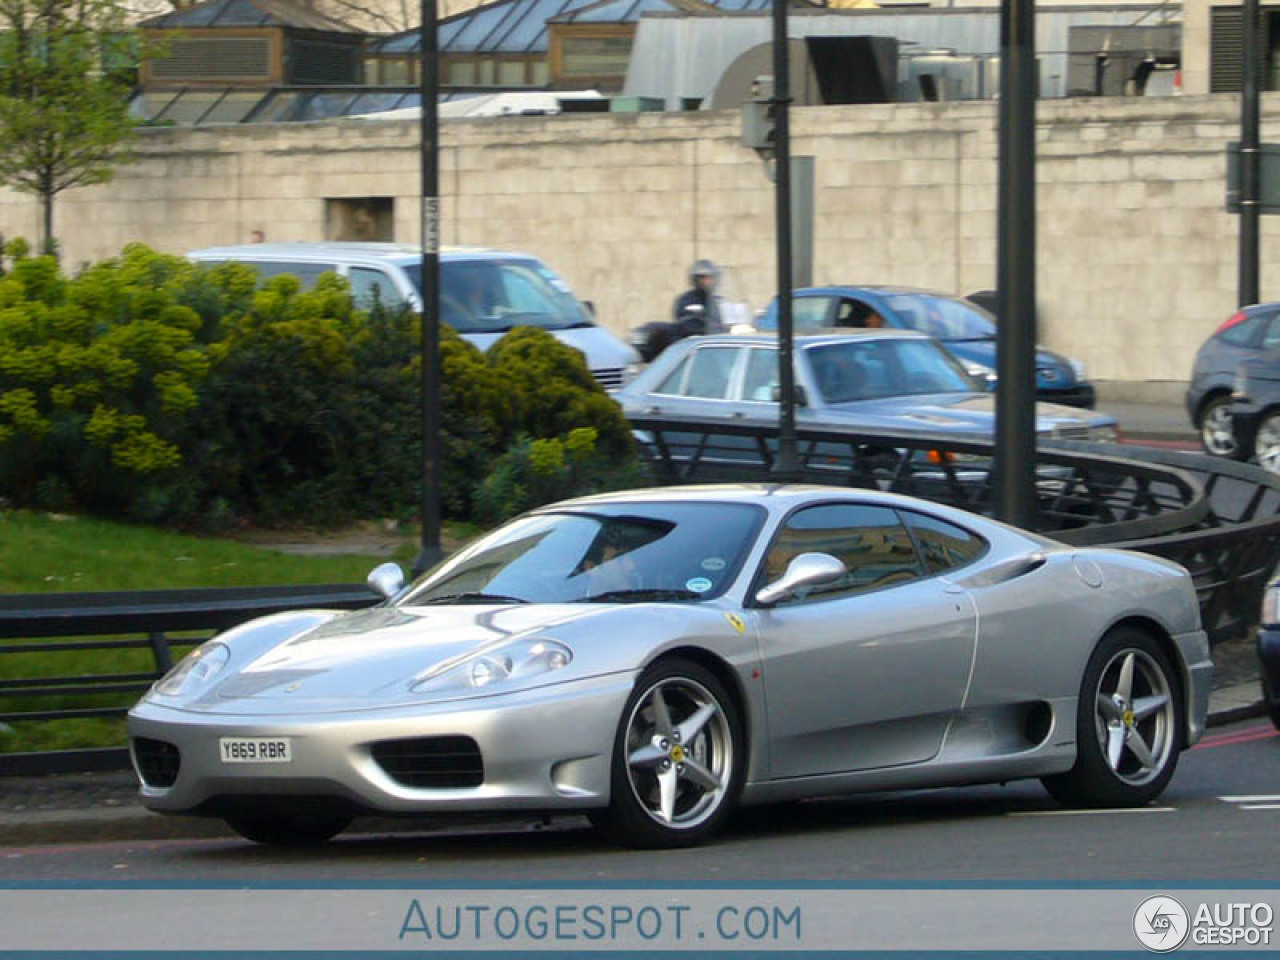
<point>1016,268</point>
<point>1250,159</point>
<point>785,465</point>
<point>430,552</point>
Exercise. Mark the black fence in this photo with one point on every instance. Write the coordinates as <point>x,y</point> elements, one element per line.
<point>1219,519</point>
<point>154,621</point>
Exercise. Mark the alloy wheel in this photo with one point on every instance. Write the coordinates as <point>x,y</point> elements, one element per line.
<point>1267,445</point>
<point>1216,431</point>
<point>1135,717</point>
<point>679,753</point>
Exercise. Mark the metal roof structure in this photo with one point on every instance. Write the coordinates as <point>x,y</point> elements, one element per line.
<point>520,26</point>
<point>247,13</point>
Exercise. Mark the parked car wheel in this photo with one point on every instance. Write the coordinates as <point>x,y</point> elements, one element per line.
<point>1128,725</point>
<point>1216,433</point>
<point>287,830</point>
<point>1272,702</point>
<point>678,759</point>
<point>1266,444</point>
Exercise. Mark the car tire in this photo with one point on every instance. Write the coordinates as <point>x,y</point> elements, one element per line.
<point>678,759</point>
<point>1266,442</point>
<point>287,830</point>
<point>1129,729</point>
<point>1273,704</point>
<point>1216,433</point>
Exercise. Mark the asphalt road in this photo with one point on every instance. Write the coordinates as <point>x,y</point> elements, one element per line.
<point>1196,833</point>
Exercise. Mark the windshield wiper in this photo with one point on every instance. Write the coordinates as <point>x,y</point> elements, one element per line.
<point>639,594</point>
<point>473,598</point>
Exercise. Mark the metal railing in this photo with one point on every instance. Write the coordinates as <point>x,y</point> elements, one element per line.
<point>136,620</point>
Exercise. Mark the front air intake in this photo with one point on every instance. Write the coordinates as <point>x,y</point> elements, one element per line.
<point>157,761</point>
<point>431,763</point>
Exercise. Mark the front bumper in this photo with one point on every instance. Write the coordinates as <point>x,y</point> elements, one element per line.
<point>545,748</point>
<point>1078,395</point>
<point>1269,655</point>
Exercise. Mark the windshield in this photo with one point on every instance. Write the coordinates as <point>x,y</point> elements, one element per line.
<point>492,296</point>
<point>942,317</point>
<point>873,369</point>
<point>617,552</point>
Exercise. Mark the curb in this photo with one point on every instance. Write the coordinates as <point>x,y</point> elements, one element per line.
<point>45,828</point>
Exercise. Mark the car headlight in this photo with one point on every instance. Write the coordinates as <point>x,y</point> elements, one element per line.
<point>194,670</point>
<point>1271,605</point>
<point>1107,434</point>
<point>1078,367</point>
<point>743,328</point>
<point>631,371</point>
<point>519,660</point>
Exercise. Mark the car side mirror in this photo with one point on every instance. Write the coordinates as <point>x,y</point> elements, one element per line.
<point>590,307</point>
<point>806,570</point>
<point>802,398</point>
<point>386,580</point>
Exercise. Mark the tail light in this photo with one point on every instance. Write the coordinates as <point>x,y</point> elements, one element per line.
<point>1231,321</point>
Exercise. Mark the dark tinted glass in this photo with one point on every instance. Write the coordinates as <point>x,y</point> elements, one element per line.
<point>679,552</point>
<point>871,542</point>
<point>1244,333</point>
<point>943,546</point>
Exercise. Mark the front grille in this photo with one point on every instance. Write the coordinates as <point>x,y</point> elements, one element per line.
<point>157,761</point>
<point>609,377</point>
<point>431,762</point>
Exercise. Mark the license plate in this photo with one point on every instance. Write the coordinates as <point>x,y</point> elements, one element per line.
<point>255,750</point>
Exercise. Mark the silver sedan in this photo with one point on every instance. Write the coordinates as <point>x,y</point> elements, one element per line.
<point>655,658</point>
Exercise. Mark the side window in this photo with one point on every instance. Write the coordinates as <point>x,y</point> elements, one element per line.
<point>674,380</point>
<point>307,273</point>
<point>710,373</point>
<point>943,546</point>
<point>1244,333</point>
<point>810,314</point>
<point>761,376</point>
<point>1270,339</point>
<point>871,542</point>
<point>372,286</point>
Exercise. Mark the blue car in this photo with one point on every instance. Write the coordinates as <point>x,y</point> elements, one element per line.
<point>966,330</point>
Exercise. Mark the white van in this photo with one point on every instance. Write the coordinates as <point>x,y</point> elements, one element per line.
<point>483,293</point>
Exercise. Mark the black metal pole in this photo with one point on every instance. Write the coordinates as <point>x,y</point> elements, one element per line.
<point>429,142</point>
<point>1016,268</point>
<point>1250,158</point>
<point>785,465</point>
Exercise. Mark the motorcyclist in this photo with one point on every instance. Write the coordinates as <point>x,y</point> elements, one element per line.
<point>704,277</point>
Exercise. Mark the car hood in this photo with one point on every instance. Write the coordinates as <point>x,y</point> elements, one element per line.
<point>372,657</point>
<point>962,413</point>
<point>602,350</point>
<point>984,352</point>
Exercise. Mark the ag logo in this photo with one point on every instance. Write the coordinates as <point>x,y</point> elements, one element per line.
<point>1161,924</point>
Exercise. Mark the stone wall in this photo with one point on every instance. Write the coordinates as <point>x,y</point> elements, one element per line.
<point>1137,257</point>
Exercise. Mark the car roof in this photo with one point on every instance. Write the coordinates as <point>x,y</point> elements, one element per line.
<point>835,335</point>
<point>329,251</point>
<point>879,289</point>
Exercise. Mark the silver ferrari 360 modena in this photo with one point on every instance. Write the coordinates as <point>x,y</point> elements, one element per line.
<point>656,658</point>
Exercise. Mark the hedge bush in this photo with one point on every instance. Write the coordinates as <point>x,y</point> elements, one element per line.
<point>162,390</point>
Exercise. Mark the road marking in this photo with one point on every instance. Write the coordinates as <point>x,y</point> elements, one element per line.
<point>1078,813</point>
<point>1267,798</point>
<point>1244,736</point>
<point>1260,806</point>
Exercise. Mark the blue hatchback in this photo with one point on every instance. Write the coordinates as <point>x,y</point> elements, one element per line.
<point>966,330</point>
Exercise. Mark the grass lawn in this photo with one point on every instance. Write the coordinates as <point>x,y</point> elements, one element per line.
<point>52,553</point>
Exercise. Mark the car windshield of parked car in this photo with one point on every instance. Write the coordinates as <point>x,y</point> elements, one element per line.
<point>872,369</point>
<point>942,317</point>
<point>617,552</point>
<point>492,296</point>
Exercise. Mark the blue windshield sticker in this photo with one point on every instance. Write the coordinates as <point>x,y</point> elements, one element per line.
<point>698,585</point>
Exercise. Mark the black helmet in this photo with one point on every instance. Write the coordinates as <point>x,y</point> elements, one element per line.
<point>703,268</point>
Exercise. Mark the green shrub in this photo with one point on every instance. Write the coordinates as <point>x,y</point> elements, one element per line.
<point>532,473</point>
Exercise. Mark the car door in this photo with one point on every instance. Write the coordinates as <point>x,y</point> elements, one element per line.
<point>868,671</point>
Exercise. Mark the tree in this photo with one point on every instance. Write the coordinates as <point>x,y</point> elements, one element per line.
<point>65,79</point>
